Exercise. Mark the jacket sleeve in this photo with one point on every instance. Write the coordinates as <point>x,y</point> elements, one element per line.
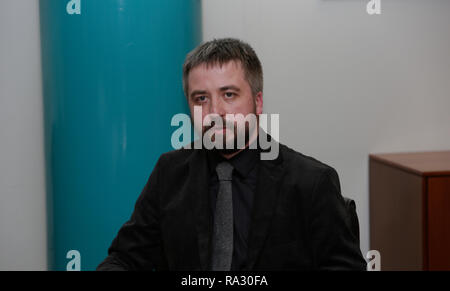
<point>138,244</point>
<point>335,246</point>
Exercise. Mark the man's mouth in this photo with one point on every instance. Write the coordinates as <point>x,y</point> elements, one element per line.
<point>221,129</point>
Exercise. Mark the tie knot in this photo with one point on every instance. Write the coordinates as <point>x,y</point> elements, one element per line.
<point>224,171</point>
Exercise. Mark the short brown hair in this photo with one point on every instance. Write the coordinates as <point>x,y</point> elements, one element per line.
<point>221,51</point>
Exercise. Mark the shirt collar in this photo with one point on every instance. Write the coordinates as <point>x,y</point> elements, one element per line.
<point>243,162</point>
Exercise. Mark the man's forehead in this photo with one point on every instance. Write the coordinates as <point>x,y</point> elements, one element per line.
<point>217,65</point>
<point>216,76</point>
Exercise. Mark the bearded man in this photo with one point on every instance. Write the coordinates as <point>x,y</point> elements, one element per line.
<point>224,208</point>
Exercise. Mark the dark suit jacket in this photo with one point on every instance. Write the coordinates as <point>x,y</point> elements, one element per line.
<point>299,220</point>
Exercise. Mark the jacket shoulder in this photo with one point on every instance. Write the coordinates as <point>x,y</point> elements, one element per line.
<point>175,158</point>
<point>303,168</point>
<point>298,159</point>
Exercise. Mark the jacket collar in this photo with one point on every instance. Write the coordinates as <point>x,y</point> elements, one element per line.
<point>242,163</point>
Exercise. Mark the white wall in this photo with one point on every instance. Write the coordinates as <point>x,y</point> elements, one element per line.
<point>23,241</point>
<point>345,83</point>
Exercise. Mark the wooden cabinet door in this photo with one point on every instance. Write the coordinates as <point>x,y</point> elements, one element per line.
<point>439,223</point>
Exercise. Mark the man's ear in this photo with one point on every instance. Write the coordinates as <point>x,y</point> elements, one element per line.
<point>259,103</point>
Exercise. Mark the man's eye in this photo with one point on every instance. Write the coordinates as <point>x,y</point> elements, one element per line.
<point>229,94</point>
<point>200,98</point>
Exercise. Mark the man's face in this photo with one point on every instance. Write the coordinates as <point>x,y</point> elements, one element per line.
<point>222,90</point>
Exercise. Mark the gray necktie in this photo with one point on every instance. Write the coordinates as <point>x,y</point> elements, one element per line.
<point>223,220</point>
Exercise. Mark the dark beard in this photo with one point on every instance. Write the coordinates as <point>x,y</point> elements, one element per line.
<point>235,148</point>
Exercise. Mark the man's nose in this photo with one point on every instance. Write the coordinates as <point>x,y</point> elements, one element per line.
<point>217,106</point>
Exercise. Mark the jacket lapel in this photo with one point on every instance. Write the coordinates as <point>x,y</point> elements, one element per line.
<point>267,189</point>
<point>198,188</point>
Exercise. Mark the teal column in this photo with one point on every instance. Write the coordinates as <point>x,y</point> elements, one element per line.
<point>112,78</point>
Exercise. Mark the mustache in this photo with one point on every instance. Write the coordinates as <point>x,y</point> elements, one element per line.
<point>225,124</point>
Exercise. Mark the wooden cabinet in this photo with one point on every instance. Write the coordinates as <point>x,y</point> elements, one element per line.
<point>410,210</point>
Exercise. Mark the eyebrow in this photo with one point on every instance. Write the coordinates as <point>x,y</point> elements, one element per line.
<point>198,92</point>
<point>230,87</point>
<point>224,88</point>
